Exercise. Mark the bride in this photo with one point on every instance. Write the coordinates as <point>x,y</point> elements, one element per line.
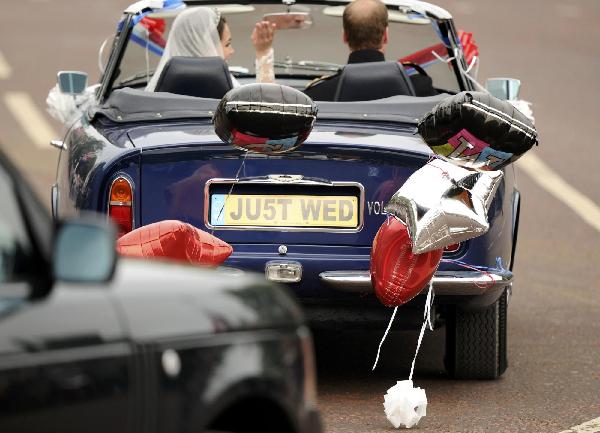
<point>203,32</point>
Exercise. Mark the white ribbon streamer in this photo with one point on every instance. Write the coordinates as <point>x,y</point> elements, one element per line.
<point>384,337</point>
<point>403,403</point>
<point>426,323</point>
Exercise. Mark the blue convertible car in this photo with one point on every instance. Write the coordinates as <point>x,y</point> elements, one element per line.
<point>306,218</point>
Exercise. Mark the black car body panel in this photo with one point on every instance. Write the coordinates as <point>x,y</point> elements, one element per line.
<point>158,348</point>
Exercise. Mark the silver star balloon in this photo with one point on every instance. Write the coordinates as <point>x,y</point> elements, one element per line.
<point>443,204</point>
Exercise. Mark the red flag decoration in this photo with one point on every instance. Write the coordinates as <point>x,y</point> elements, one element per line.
<point>425,57</point>
<point>149,34</point>
<point>174,240</point>
<point>397,274</point>
<point>156,30</point>
<point>470,48</point>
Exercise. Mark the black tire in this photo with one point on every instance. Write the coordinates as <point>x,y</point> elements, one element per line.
<point>476,341</point>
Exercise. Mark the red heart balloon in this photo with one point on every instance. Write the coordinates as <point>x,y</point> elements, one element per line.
<point>175,240</point>
<point>397,274</point>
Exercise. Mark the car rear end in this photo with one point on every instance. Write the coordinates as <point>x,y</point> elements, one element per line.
<point>308,218</point>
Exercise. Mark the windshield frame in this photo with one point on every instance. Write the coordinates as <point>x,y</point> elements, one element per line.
<point>116,54</point>
<point>445,25</point>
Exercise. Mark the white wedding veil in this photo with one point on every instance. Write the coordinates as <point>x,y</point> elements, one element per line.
<point>193,34</point>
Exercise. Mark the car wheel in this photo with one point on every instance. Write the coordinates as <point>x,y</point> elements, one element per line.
<point>476,341</point>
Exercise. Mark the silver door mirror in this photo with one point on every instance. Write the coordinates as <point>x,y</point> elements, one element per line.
<point>72,82</point>
<point>84,251</point>
<point>290,20</point>
<point>506,89</point>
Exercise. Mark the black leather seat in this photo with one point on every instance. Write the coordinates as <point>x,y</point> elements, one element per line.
<point>207,77</point>
<point>373,80</point>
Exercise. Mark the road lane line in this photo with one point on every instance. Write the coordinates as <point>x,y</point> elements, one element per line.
<point>548,179</point>
<point>5,69</point>
<point>592,426</point>
<point>32,121</point>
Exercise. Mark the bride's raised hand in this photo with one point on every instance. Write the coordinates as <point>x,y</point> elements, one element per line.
<point>262,37</point>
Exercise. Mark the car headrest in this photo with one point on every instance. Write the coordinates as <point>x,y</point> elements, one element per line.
<point>372,80</point>
<point>207,77</point>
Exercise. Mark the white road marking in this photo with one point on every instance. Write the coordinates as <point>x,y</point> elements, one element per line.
<point>29,117</point>
<point>548,179</point>
<point>592,426</point>
<point>569,11</point>
<point>5,69</point>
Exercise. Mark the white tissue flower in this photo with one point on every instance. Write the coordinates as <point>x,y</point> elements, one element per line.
<point>524,107</point>
<point>404,404</point>
<point>67,108</point>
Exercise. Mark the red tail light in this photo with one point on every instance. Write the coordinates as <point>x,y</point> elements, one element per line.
<point>120,205</point>
<point>452,248</point>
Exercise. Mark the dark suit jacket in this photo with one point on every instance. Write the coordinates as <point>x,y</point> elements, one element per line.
<point>324,88</point>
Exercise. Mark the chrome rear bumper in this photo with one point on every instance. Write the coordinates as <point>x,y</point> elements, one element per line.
<point>444,282</point>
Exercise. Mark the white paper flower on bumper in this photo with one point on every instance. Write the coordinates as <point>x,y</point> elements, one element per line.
<point>405,405</point>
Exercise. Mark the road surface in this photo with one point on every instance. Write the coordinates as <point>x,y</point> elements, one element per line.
<point>553,380</point>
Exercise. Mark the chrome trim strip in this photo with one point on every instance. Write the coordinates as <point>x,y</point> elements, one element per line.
<point>266,104</point>
<point>348,281</point>
<point>119,203</point>
<point>295,180</point>
<point>59,144</point>
<point>54,201</point>
<point>444,282</point>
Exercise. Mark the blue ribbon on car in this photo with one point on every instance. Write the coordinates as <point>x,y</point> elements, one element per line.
<point>438,31</point>
<point>167,5</point>
<point>142,40</point>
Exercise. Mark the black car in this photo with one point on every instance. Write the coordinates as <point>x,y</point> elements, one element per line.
<point>92,343</point>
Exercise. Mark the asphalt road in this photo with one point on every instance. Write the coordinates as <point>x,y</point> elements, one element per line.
<point>553,379</point>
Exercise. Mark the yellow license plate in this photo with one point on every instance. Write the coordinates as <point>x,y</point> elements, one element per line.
<point>284,210</point>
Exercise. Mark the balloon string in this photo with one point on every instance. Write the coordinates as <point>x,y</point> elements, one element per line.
<point>237,176</point>
<point>426,323</point>
<point>384,337</point>
<point>484,269</point>
<point>444,172</point>
<point>499,265</point>
<point>435,156</point>
<point>428,305</point>
<point>473,268</point>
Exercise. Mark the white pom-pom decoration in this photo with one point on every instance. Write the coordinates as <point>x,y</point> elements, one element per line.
<point>404,404</point>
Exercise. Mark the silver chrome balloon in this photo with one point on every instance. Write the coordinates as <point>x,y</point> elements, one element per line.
<point>443,204</point>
